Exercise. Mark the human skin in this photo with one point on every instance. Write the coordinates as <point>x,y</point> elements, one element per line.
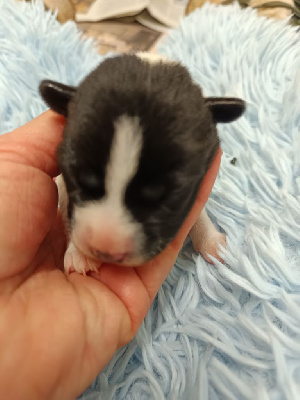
<point>58,331</point>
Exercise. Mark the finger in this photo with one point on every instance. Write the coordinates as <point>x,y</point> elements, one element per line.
<point>35,143</point>
<point>203,195</point>
<point>28,206</point>
<point>28,195</point>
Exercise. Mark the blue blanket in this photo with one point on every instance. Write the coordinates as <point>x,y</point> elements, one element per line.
<point>213,332</point>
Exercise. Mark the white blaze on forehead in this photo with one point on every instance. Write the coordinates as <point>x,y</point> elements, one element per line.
<point>106,224</point>
<point>124,157</point>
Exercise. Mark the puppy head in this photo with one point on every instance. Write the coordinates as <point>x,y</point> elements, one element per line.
<point>139,138</point>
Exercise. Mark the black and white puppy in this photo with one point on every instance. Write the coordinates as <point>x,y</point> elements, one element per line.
<point>138,140</point>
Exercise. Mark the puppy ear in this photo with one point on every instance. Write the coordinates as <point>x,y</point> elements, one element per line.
<point>57,95</point>
<point>225,109</point>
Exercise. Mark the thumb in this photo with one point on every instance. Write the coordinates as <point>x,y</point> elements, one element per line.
<point>28,195</point>
<point>35,143</point>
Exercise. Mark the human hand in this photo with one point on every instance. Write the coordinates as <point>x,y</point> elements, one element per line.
<point>56,331</point>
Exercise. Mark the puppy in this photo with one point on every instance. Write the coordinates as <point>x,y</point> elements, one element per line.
<point>138,141</point>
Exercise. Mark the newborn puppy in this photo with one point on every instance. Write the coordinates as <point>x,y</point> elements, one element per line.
<point>139,138</point>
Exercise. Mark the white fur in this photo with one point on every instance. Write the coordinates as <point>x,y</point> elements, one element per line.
<point>206,238</point>
<point>153,58</point>
<point>124,158</point>
<point>63,199</point>
<point>75,260</point>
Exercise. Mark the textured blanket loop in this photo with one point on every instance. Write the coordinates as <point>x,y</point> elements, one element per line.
<point>226,332</point>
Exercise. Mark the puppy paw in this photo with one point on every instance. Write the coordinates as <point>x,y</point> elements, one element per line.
<point>210,246</point>
<point>75,261</point>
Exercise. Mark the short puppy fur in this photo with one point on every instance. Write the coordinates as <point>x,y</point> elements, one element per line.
<point>138,141</point>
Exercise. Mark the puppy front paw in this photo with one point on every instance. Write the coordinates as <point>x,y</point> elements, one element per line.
<point>210,246</point>
<point>75,261</point>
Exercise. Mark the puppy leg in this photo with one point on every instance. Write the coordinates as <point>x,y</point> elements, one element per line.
<point>63,200</point>
<point>74,260</point>
<point>205,237</point>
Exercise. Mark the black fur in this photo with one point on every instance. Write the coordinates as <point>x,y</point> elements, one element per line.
<point>57,95</point>
<point>179,140</point>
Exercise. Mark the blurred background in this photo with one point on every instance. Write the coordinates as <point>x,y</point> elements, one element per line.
<point>139,25</point>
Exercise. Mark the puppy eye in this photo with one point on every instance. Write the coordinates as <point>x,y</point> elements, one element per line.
<point>91,184</point>
<point>152,193</point>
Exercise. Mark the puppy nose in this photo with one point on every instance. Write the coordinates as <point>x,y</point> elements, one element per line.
<point>114,257</point>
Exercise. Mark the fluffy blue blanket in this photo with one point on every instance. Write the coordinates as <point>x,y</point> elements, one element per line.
<point>226,332</point>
